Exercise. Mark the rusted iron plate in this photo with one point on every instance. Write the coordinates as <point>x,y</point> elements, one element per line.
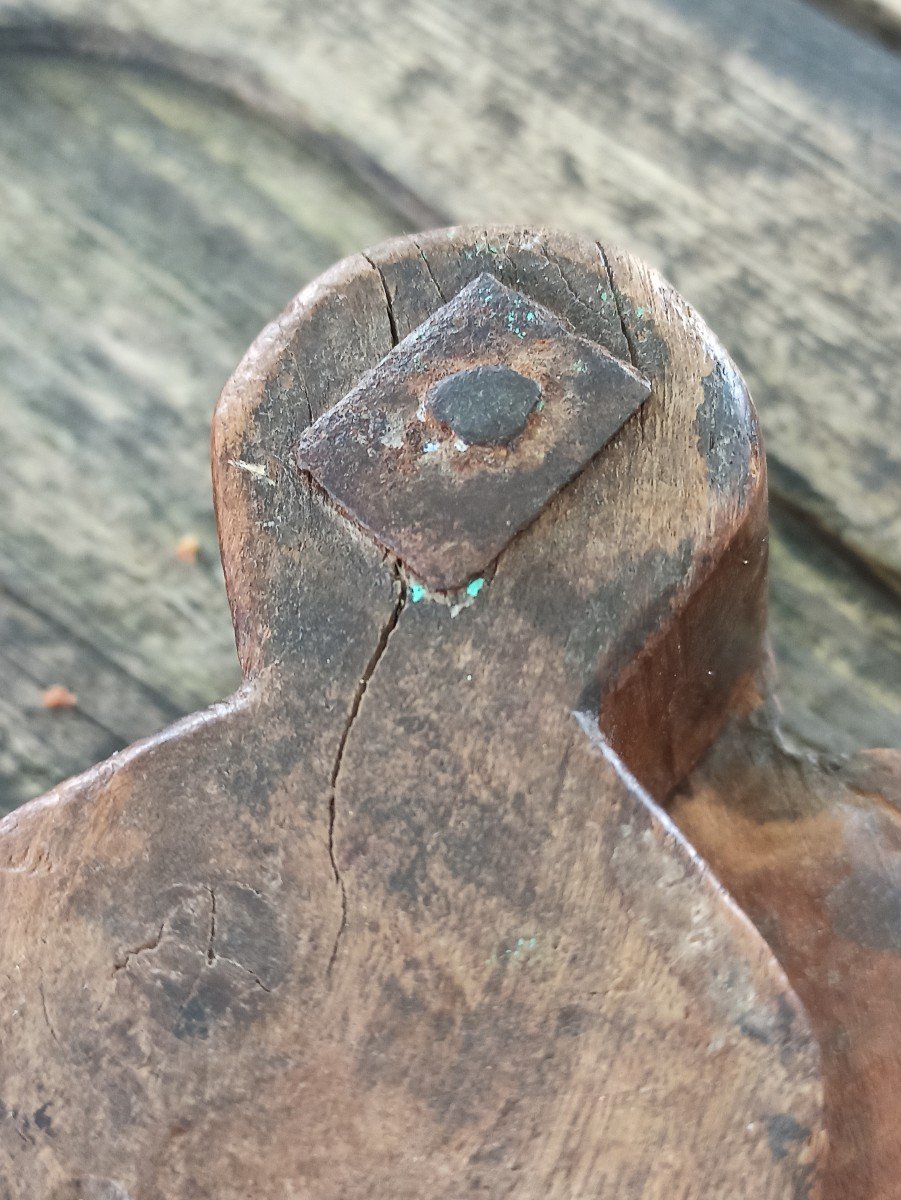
<point>460,436</point>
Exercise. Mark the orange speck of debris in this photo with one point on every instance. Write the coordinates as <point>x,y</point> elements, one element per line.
<point>59,697</point>
<point>186,548</point>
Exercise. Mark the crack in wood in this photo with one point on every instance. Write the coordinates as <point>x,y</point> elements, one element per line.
<point>211,950</point>
<point>618,304</point>
<point>617,298</point>
<point>377,655</point>
<point>150,944</point>
<point>47,1020</point>
<point>431,273</point>
<point>544,252</point>
<point>388,301</point>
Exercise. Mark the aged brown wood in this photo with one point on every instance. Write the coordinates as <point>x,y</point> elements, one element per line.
<point>394,920</point>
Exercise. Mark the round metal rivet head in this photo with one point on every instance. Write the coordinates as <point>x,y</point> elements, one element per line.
<point>486,405</point>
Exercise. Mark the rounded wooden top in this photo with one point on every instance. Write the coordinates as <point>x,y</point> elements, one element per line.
<point>655,507</point>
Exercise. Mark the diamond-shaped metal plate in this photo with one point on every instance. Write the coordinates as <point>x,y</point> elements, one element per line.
<point>460,436</point>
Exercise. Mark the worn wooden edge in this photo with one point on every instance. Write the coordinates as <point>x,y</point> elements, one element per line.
<point>246,495</point>
<point>243,493</point>
<point>740,511</point>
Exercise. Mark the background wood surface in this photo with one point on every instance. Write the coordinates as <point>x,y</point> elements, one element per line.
<point>149,226</point>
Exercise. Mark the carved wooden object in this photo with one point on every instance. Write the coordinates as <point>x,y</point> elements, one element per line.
<point>399,919</point>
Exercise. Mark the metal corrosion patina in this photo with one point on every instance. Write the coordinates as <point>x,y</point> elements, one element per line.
<point>460,436</point>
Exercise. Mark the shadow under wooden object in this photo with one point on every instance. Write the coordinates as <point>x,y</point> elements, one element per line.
<point>396,919</point>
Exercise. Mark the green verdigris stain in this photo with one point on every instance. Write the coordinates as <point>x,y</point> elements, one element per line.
<point>517,953</point>
<point>513,323</point>
<point>418,592</point>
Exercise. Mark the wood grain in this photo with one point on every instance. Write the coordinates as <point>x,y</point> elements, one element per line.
<point>391,921</point>
<point>135,272</point>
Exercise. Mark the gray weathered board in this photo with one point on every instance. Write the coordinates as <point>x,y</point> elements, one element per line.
<point>148,228</point>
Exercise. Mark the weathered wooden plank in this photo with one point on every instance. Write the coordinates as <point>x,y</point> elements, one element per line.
<point>147,233</point>
<point>750,151</point>
<point>38,747</point>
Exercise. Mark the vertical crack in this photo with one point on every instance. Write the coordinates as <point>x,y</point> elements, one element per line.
<point>431,273</point>
<point>381,645</point>
<point>618,304</point>
<point>47,1020</point>
<point>211,946</point>
<point>388,302</point>
<point>400,588</point>
<point>302,384</point>
<point>553,262</point>
<point>620,312</point>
